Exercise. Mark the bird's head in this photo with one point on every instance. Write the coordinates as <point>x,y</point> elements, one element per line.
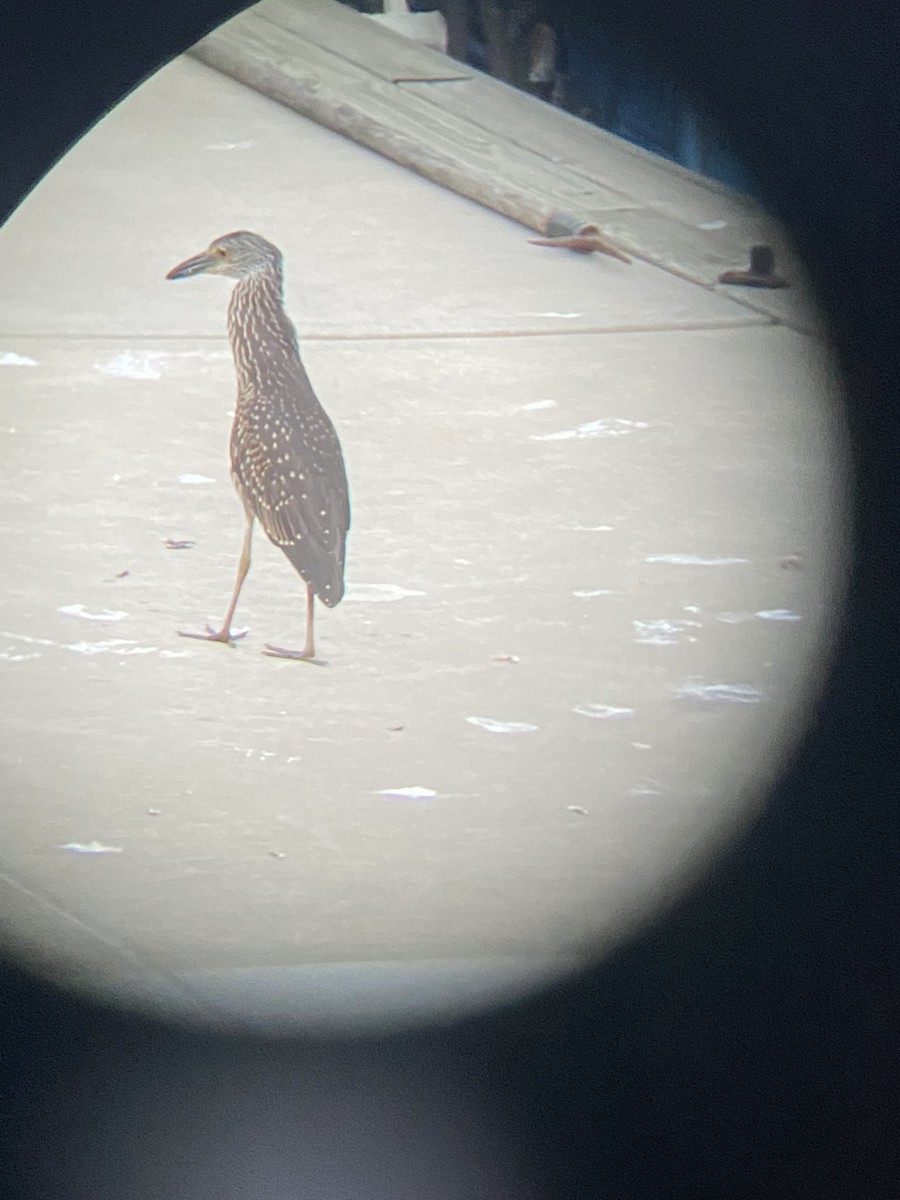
<point>235,254</point>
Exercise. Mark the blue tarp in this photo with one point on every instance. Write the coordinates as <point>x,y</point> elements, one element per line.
<point>610,77</point>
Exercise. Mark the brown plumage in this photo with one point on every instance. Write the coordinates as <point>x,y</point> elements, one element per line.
<point>286,460</point>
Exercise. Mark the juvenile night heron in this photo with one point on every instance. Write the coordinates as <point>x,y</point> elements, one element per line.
<point>286,459</point>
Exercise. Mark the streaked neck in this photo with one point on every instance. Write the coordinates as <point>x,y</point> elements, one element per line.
<point>262,337</point>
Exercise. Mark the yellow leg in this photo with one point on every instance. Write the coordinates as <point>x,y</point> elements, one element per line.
<point>225,634</point>
<point>308,653</point>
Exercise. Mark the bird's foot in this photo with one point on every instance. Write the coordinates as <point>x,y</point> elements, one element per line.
<point>228,636</point>
<point>305,655</point>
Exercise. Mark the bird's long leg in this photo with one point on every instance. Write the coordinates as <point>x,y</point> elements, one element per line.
<point>225,634</point>
<point>308,653</point>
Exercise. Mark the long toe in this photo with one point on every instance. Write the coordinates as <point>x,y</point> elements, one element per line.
<point>294,655</point>
<point>233,635</point>
<point>226,636</point>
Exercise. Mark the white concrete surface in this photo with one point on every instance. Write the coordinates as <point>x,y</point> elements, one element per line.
<point>595,507</point>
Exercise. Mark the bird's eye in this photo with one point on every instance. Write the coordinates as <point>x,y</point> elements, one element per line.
<point>221,252</point>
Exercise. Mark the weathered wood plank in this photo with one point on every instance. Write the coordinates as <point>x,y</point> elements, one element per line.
<point>364,43</point>
<point>579,146</point>
<point>489,142</point>
<point>695,227</point>
<point>795,306</point>
<point>517,117</point>
<point>700,255</point>
<point>416,134</point>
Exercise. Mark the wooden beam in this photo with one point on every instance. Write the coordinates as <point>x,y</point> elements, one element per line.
<point>484,139</point>
<point>367,44</point>
<point>401,125</point>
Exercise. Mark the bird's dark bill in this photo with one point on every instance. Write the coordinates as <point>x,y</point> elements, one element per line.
<point>192,266</point>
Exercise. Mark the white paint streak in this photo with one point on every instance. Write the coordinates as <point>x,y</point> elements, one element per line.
<point>603,428</point>
<point>603,712</point>
<point>105,614</point>
<point>378,593</point>
<point>91,848</point>
<point>409,793</point>
<point>492,726</point>
<point>693,560</point>
<point>734,693</point>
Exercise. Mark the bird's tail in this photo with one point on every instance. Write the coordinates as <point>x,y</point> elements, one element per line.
<point>324,573</point>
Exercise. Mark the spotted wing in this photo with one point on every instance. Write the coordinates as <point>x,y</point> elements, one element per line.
<point>288,466</point>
